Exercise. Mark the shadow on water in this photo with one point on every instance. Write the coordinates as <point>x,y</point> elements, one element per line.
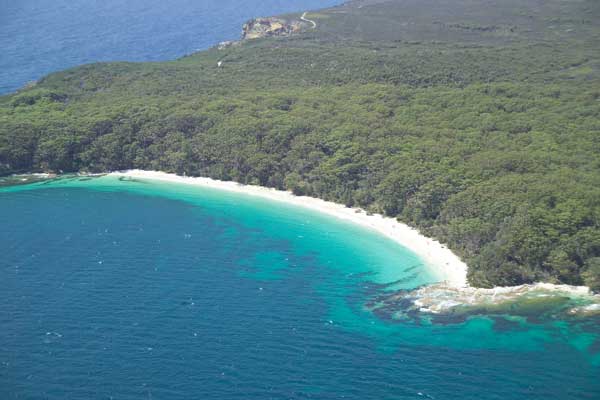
<point>132,180</point>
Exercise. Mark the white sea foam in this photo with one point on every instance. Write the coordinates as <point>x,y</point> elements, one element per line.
<point>451,271</point>
<point>441,298</point>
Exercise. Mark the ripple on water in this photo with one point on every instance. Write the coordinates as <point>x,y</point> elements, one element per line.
<point>241,308</point>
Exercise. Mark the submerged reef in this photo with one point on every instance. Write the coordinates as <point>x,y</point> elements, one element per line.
<point>445,303</point>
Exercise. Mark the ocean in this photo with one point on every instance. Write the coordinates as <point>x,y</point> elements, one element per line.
<point>138,289</point>
<point>119,288</point>
<point>38,37</point>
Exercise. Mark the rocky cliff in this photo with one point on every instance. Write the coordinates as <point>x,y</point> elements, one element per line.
<point>272,26</point>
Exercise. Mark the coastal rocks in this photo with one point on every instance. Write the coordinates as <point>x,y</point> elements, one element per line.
<point>587,310</point>
<point>266,27</point>
<point>272,26</point>
<point>445,302</point>
<point>25,179</point>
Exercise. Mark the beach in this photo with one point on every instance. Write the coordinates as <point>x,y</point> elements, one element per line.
<point>130,275</point>
<point>440,260</point>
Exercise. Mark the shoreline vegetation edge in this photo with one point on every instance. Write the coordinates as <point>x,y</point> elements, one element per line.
<point>440,260</point>
<point>451,293</point>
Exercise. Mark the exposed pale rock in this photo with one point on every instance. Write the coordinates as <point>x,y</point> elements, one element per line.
<point>272,26</point>
<point>519,300</point>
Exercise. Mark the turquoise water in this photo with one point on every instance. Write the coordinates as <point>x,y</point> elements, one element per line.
<point>140,289</point>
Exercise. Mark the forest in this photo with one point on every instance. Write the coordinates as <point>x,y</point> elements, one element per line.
<point>477,124</point>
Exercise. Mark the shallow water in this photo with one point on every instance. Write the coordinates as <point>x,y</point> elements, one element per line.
<point>141,289</point>
<point>42,36</point>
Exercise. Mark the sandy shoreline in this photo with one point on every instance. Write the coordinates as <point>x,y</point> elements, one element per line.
<point>447,266</point>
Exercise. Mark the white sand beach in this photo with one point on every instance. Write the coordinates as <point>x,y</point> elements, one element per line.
<point>442,262</point>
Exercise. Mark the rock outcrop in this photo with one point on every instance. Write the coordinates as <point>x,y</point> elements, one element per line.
<point>446,301</point>
<point>272,26</point>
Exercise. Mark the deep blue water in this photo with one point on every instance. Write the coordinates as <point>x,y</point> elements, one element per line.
<point>42,36</point>
<point>138,290</point>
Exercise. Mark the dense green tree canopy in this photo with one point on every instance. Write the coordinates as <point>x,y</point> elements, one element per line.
<point>479,125</point>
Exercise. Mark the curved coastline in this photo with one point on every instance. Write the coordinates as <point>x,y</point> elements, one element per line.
<point>441,261</point>
<point>452,292</point>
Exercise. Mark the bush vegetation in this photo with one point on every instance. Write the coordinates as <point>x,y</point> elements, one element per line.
<point>478,125</point>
